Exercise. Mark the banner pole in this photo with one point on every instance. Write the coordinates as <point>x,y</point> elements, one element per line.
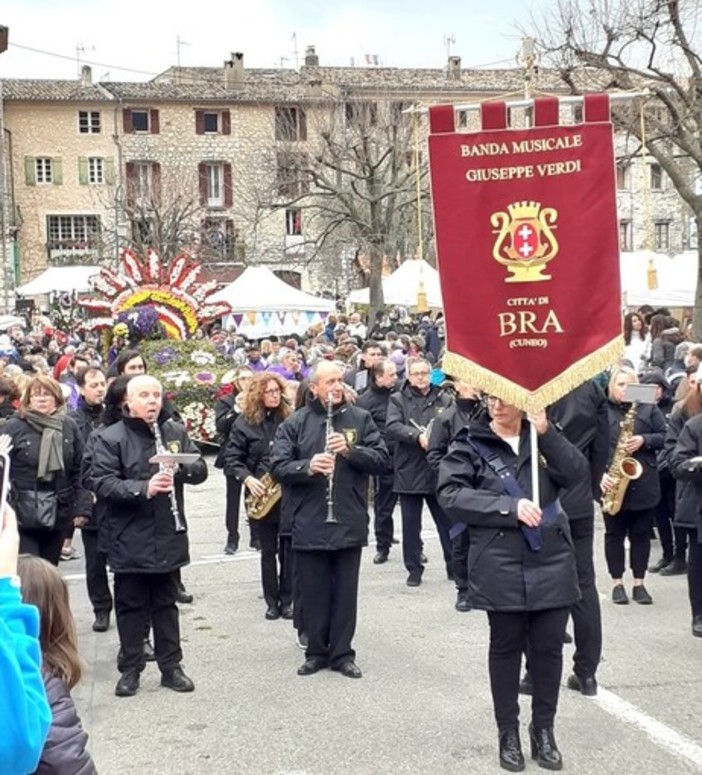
<point>535,494</point>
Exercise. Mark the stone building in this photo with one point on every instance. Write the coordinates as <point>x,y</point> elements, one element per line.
<point>221,161</point>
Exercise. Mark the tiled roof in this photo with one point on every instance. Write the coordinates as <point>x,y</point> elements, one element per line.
<point>45,89</point>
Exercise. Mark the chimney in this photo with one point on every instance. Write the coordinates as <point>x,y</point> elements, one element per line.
<point>454,68</point>
<point>234,71</point>
<point>311,58</point>
<point>86,76</point>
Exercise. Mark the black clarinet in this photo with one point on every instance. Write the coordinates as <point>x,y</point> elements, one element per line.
<point>331,519</point>
<point>167,468</point>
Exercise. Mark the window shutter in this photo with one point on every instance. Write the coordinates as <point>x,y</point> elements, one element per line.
<point>57,170</point>
<point>226,122</point>
<point>227,167</point>
<point>202,182</point>
<point>108,166</point>
<point>127,124</point>
<point>199,122</point>
<point>302,128</point>
<point>131,182</point>
<point>155,183</point>
<point>83,174</point>
<point>154,124</point>
<point>30,170</point>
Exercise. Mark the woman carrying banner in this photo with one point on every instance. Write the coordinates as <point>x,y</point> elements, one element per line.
<point>521,564</point>
<point>636,431</point>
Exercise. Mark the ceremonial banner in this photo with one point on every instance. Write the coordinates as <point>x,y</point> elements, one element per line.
<point>528,249</point>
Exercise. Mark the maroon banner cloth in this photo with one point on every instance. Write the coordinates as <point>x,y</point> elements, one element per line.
<point>527,243</point>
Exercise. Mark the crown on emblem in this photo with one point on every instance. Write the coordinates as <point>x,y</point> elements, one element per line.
<point>520,211</point>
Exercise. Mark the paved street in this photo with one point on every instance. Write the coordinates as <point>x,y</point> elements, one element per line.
<point>423,705</point>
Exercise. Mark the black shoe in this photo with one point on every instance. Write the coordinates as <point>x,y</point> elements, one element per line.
<point>395,541</point>
<point>177,680</point>
<point>380,558</point>
<point>657,567</point>
<point>619,596</point>
<point>273,612</point>
<point>415,578</point>
<point>676,568</point>
<point>286,612</point>
<point>525,685</point>
<point>697,626</point>
<point>586,685</point>
<point>462,603</point>
<point>423,558</point>
<point>350,669</point>
<point>511,757</point>
<point>544,748</point>
<point>148,651</point>
<point>312,665</point>
<point>641,596</point>
<point>102,621</point>
<point>182,595</point>
<point>231,548</point>
<point>128,684</point>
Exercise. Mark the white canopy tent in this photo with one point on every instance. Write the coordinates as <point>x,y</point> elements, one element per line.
<point>676,278</point>
<point>59,278</point>
<point>263,304</point>
<point>403,285</point>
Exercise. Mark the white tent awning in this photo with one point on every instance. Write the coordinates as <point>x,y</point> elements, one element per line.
<point>403,285</point>
<point>676,278</point>
<point>59,278</point>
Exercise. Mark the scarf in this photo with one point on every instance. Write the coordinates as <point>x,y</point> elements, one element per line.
<point>51,447</point>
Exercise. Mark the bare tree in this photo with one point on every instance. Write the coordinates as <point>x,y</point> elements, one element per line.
<point>359,180</point>
<point>644,45</point>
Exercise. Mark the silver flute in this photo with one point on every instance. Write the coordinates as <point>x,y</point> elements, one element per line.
<point>167,468</point>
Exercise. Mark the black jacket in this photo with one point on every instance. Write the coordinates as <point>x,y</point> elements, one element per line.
<point>413,474</point>
<point>447,426</point>
<point>376,401</point>
<point>644,492</point>
<point>226,412</point>
<point>73,500</point>
<point>141,530</point>
<point>88,418</point>
<point>583,418</point>
<point>298,439</point>
<point>689,445</point>
<point>504,574</point>
<point>686,497</point>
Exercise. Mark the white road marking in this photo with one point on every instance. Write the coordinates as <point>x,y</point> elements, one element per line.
<point>676,743</point>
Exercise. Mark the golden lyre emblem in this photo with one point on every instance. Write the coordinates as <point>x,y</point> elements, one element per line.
<point>525,241</point>
<point>174,447</point>
<point>351,436</point>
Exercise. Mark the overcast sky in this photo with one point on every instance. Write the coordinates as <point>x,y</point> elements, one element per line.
<point>142,34</point>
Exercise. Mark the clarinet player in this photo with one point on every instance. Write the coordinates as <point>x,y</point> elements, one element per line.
<point>147,546</point>
<point>323,455</point>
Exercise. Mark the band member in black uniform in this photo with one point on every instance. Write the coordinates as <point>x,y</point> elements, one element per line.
<point>521,567</point>
<point>144,514</point>
<point>247,458</point>
<point>410,413</point>
<point>383,378</point>
<point>635,519</point>
<point>88,416</point>
<point>323,454</point>
<point>464,409</point>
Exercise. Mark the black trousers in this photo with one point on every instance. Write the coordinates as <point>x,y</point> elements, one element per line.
<point>96,573</point>
<point>587,617</point>
<point>459,558</point>
<point>329,583</point>
<point>43,543</point>
<point>673,539</point>
<point>298,603</point>
<point>232,507</point>
<point>511,635</point>
<point>636,526</point>
<point>275,576</point>
<point>385,501</point>
<point>411,506</point>
<point>694,573</point>
<point>140,598</point>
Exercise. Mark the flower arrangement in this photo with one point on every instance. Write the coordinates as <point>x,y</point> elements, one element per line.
<point>141,322</point>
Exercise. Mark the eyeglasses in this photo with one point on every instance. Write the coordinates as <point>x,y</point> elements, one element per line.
<point>272,392</point>
<point>419,373</point>
<point>492,400</point>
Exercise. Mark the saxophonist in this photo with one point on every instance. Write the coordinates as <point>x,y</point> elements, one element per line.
<point>247,459</point>
<point>634,520</point>
<point>328,447</point>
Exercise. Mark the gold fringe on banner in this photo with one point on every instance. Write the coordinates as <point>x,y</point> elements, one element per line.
<point>533,401</point>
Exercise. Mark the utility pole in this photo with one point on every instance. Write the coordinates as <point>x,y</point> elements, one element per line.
<point>449,40</point>
<point>527,58</point>
<point>7,272</point>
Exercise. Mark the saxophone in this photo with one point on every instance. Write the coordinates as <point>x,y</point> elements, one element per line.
<point>260,507</point>
<point>623,468</point>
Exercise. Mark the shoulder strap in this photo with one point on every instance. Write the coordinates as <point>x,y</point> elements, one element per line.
<point>495,462</point>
